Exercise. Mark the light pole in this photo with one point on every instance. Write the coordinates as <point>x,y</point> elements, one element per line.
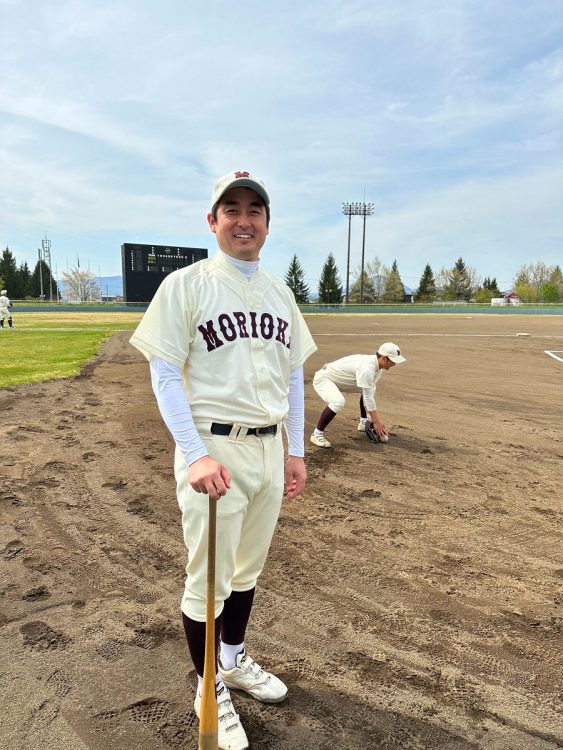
<point>367,210</point>
<point>40,256</point>
<point>46,245</point>
<point>356,209</point>
<point>347,211</point>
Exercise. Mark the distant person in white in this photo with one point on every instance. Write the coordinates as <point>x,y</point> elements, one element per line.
<point>357,370</point>
<point>5,313</point>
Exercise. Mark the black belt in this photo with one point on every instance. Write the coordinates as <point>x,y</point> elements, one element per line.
<point>225,429</point>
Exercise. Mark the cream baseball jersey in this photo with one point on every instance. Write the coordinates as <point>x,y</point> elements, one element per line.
<point>235,340</point>
<point>359,370</point>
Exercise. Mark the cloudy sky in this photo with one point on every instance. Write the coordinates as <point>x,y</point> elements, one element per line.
<point>117,117</point>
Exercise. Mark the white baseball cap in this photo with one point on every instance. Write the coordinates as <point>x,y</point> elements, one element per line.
<point>4,291</point>
<point>239,179</point>
<point>391,351</point>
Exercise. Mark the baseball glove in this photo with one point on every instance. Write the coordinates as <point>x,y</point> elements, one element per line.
<point>371,433</point>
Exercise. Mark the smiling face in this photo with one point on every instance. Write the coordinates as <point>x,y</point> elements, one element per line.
<point>241,223</point>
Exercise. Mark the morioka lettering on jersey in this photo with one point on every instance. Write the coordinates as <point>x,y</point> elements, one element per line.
<point>236,340</point>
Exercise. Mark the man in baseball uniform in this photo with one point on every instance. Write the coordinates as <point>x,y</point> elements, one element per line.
<point>356,371</point>
<point>226,345</point>
<point>5,313</point>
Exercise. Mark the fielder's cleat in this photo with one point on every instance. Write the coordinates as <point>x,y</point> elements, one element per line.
<point>362,425</point>
<point>248,676</point>
<point>320,440</point>
<point>231,734</point>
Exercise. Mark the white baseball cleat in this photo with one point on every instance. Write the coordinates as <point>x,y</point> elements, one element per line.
<point>362,425</point>
<point>248,676</point>
<point>320,440</point>
<point>231,734</point>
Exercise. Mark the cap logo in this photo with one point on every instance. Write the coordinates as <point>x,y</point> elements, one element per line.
<point>242,174</point>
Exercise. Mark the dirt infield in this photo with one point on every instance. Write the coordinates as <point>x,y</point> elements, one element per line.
<point>412,597</point>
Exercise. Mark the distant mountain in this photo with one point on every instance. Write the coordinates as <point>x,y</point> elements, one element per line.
<point>111,285</point>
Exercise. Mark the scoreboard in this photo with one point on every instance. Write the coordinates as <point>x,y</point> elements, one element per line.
<point>145,267</point>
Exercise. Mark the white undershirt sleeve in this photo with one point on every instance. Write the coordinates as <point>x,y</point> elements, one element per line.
<point>175,409</point>
<point>295,421</point>
<point>368,395</point>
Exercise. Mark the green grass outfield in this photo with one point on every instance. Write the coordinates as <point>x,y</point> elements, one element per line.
<point>46,346</point>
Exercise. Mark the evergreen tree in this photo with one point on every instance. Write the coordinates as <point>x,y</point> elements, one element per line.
<point>42,275</point>
<point>459,285</point>
<point>330,286</point>
<point>9,272</point>
<point>492,286</point>
<point>426,291</point>
<point>295,279</point>
<point>369,295</point>
<point>394,291</point>
<point>23,282</point>
<point>487,291</point>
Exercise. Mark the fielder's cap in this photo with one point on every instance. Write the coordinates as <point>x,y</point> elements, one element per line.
<point>239,179</point>
<point>392,351</point>
<point>4,291</point>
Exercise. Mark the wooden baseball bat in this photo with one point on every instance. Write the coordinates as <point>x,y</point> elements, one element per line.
<point>208,723</point>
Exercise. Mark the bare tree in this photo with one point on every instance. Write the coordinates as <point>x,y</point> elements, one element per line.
<point>368,289</point>
<point>80,286</point>
<point>441,278</point>
<point>534,274</point>
<point>379,273</point>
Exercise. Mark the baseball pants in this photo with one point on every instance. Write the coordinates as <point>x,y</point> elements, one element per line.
<point>328,391</point>
<point>246,517</point>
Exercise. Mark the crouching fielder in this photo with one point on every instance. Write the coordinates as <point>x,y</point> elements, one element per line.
<point>357,370</point>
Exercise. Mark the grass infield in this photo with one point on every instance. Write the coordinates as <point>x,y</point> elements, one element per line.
<point>46,346</point>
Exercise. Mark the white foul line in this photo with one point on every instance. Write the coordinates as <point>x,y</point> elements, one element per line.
<point>455,335</point>
<point>554,354</point>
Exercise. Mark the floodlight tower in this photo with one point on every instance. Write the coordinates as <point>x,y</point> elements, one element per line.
<point>40,258</point>
<point>367,210</point>
<point>46,246</point>
<point>356,209</point>
<point>348,211</point>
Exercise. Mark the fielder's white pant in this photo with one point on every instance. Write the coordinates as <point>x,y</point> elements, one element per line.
<point>246,517</point>
<point>328,391</point>
<point>5,313</point>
